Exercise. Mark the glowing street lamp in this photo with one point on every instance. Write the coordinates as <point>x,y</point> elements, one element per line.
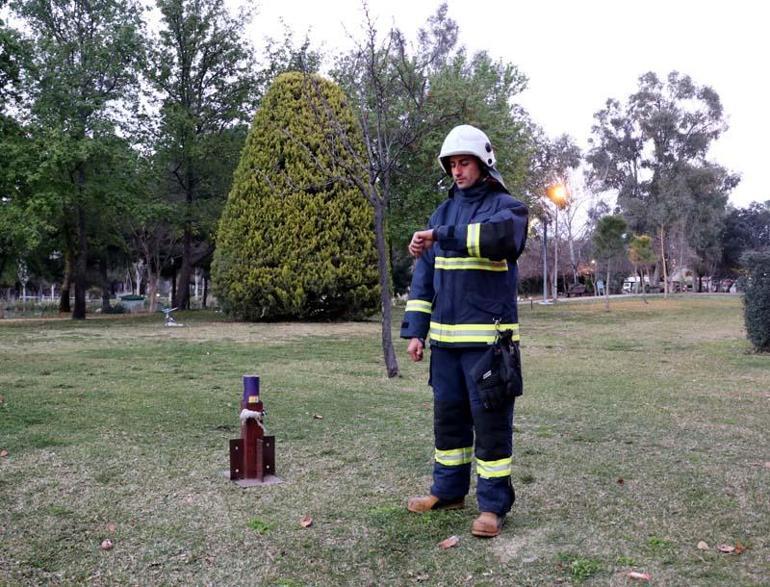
<point>557,193</point>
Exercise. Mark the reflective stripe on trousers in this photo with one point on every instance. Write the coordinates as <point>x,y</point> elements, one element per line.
<point>459,420</point>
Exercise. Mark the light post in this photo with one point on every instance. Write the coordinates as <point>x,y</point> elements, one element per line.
<point>545,257</point>
<point>557,193</point>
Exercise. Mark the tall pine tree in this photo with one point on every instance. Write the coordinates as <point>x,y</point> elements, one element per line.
<point>295,241</point>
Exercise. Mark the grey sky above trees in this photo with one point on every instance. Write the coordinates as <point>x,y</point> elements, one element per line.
<point>579,54</point>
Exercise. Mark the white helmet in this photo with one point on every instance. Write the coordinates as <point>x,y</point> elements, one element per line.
<point>466,140</point>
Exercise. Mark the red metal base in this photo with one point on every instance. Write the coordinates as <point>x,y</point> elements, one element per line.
<point>252,463</point>
<point>266,480</point>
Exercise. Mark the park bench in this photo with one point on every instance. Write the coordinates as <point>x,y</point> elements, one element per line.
<point>577,289</point>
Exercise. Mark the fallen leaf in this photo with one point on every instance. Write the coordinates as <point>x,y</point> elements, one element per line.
<point>449,542</point>
<point>318,417</point>
<point>306,521</point>
<point>3,453</point>
<point>739,548</point>
<point>703,545</point>
<point>620,481</point>
<point>106,544</point>
<point>639,576</point>
<point>111,527</point>
<point>726,548</point>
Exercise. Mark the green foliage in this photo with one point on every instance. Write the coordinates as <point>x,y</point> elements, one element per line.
<point>665,129</point>
<point>745,229</point>
<point>13,57</point>
<point>640,251</point>
<point>86,57</point>
<point>657,544</point>
<point>295,241</point>
<point>757,300</point>
<point>580,568</point>
<point>285,55</point>
<point>83,82</point>
<point>259,526</point>
<point>21,226</point>
<point>609,239</point>
<point>609,242</point>
<point>202,66</point>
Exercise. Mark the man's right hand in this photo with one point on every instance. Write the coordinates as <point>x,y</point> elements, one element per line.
<point>415,349</point>
<point>421,241</point>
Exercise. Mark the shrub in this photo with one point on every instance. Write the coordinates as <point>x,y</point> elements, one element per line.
<point>294,240</point>
<point>756,301</point>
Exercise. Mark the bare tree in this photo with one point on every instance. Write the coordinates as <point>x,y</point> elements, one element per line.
<point>388,88</point>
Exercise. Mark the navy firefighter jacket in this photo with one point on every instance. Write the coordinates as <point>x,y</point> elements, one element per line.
<point>467,281</point>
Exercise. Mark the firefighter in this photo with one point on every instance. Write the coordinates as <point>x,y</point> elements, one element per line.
<point>463,294</point>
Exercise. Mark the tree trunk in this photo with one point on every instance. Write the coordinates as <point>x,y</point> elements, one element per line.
<point>81,261</point>
<point>173,285</point>
<point>607,289</point>
<point>105,286</point>
<point>182,296</point>
<point>152,289</point>
<point>663,259</point>
<point>389,355</point>
<point>138,273</point>
<point>64,294</point>
<point>545,261</point>
<point>205,290</point>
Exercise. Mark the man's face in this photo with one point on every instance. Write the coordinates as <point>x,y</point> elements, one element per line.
<point>465,170</point>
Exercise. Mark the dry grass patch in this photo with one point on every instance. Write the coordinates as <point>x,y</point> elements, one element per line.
<point>642,431</point>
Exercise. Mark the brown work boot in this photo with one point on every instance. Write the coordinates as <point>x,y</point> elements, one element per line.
<point>426,503</point>
<point>487,525</point>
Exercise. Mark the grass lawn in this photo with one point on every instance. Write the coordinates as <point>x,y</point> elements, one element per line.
<point>642,432</point>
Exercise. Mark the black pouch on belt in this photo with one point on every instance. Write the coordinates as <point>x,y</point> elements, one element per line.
<point>498,372</point>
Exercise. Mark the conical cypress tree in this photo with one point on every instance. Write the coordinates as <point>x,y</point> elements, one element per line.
<point>293,241</point>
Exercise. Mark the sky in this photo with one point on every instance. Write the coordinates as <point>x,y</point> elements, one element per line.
<point>577,54</point>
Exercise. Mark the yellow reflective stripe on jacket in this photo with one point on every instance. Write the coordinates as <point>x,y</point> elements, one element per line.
<point>419,306</point>
<point>473,240</point>
<point>485,333</point>
<point>480,263</point>
<point>455,456</point>
<point>492,469</point>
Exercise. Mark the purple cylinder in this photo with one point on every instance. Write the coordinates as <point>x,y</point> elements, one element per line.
<point>250,386</point>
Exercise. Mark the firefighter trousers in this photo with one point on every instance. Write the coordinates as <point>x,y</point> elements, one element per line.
<point>458,416</point>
